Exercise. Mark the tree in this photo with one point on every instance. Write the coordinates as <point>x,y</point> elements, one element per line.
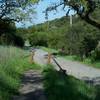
<point>88,44</point>
<point>84,8</point>
<point>11,11</point>
<point>7,27</point>
<point>14,10</point>
<point>8,34</point>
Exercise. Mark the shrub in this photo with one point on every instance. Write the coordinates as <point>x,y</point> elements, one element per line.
<point>95,54</point>
<point>38,39</point>
<point>11,39</point>
<point>18,41</point>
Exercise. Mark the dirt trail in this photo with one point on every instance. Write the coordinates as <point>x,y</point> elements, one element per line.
<point>32,80</point>
<point>31,87</point>
<point>76,69</point>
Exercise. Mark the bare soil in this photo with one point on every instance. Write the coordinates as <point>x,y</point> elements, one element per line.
<point>31,87</point>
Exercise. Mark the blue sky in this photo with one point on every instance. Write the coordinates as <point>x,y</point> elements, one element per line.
<point>39,17</point>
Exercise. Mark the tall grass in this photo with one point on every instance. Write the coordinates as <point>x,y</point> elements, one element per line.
<point>13,62</point>
<point>59,86</point>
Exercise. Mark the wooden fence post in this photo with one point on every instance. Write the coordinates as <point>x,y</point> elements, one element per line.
<point>32,57</point>
<point>49,58</point>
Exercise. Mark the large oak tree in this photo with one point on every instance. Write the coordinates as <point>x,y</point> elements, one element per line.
<point>84,8</point>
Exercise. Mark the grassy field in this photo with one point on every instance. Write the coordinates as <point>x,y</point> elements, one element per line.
<point>13,63</point>
<point>59,86</point>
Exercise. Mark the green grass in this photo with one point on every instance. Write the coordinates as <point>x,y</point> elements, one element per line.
<point>86,61</point>
<point>95,64</point>
<point>68,57</point>
<point>63,87</point>
<point>49,50</point>
<point>13,63</point>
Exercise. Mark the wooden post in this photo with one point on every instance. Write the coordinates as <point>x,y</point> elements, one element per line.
<point>71,20</point>
<point>49,58</point>
<point>32,57</point>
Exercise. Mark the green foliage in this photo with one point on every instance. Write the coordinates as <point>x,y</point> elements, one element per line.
<point>83,8</point>
<point>58,33</point>
<point>13,63</point>
<point>7,27</point>
<point>22,32</point>
<point>79,39</point>
<point>49,50</point>
<point>18,41</point>
<point>9,36</point>
<point>38,39</point>
<point>95,54</point>
<point>16,10</point>
<point>63,87</point>
<point>11,39</point>
<point>88,44</point>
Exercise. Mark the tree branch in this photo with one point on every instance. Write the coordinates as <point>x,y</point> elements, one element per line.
<point>91,21</point>
<point>83,12</point>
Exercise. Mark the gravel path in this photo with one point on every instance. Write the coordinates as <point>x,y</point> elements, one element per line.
<point>31,87</point>
<point>76,69</point>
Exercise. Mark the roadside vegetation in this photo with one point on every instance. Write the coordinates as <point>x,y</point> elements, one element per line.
<point>87,61</point>
<point>49,50</point>
<point>80,40</point>
<point>13,62</point>
<point>59,86</point>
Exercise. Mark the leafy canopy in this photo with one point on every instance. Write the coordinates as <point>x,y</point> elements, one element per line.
<point>15,10</point>
<point>84,8</point>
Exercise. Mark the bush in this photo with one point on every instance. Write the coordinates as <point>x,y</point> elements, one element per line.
<point>87,45</point>
<point>95,54</point>
<point>18,41</point>
<point>38,39</point>
<point>8,34</point>
<point>11,39</point>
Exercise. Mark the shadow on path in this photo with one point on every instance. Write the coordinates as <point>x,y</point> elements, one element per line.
<point>31,87</point>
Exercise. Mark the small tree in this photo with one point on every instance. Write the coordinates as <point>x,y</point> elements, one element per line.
<point>87,45</point>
